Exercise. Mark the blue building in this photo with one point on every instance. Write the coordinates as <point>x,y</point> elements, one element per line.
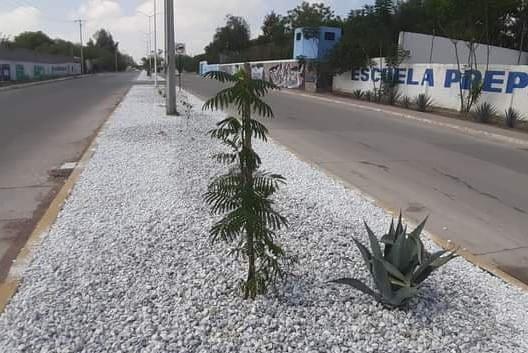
<point>315,43</point>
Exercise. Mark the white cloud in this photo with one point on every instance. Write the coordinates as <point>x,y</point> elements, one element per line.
<point>20,19</point>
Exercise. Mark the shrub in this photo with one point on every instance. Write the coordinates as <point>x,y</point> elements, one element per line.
<point>392,95</point>
<point>423,102</point>
<point>511,117</point>
<point>484,112</point>
<point>243,194</point>
<point>400,267</point>
<point>358,94</point>
<point>368,96</point>
<point>406,102</point>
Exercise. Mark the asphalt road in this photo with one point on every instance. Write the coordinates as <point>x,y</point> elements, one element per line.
<point>474,190</point>
<point>40,128</point>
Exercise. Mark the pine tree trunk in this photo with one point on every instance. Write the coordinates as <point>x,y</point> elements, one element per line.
<point>247,173</point>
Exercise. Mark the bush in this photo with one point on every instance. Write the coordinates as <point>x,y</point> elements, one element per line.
<point>400,267</point>
<point>368,96</point>
<point>484,112</point>
<point>392,95</point>
<point>423,102</point>
<point>358,94</point>
<point>406,102</point>
<point>511,117</point>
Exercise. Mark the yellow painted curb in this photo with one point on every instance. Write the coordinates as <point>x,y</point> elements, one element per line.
<point>9,286</point>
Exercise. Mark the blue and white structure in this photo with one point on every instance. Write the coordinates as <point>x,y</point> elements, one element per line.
<point>315,43</point>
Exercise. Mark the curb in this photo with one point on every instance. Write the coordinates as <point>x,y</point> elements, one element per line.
<point>43,82</point>
<point>14,277</point>
<point>466,130</point>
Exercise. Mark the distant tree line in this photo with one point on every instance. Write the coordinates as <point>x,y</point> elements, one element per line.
<point>100,49</point>
<point>372,31</point>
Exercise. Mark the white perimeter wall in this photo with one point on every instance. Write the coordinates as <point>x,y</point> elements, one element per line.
<point>60,69</point>
<point>443,50</point>
<point>504,85</point>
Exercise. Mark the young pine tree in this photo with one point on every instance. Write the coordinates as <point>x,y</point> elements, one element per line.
<point>243,195</point>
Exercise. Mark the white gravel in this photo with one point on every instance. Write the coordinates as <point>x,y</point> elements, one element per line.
<point>128,266</point>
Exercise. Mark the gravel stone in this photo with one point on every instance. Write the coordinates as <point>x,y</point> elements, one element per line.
<point>128,266</point>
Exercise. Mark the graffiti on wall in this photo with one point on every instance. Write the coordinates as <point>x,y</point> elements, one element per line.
<point>5,72</point>
<point>287,75</point>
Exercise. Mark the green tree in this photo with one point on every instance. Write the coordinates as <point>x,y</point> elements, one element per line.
<point>311,15</point>
<point>32,40</point>
<point>103,39</point>
<point>231,38</point>
<point>243,195</point>
<point>274,28</point>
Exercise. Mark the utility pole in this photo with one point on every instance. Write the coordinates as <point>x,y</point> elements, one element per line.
<point>115,56</point>
<point>170,83</point>
<point>82,52</point>
<point>155,46</point>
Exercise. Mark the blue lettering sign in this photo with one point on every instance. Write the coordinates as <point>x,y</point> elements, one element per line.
<point>471,78</point>
<point>428,77</point>
<point>365,74</point>
<point>516,80</point>
<point>410,80</point>
<point>452,76</point>
<point>399,75</point>
<point>490,80</point>
<point>374,71</point>
<point>355,74</point>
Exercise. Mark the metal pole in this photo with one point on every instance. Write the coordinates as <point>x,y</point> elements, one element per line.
<point>171,63</point>
<point>155,47</point>
<point>115,57</point>
<point>150,46</point>
<point>82,52</point>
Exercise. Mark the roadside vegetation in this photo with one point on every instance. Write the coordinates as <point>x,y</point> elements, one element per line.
<point>244,197</point>
<point>244,194</point>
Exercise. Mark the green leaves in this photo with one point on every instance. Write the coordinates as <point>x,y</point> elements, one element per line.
<point>243,194</point>
<point>244,95</point>
<point>400,268</point>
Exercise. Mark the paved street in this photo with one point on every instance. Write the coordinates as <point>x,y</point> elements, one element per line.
<point>474,190</point>
<point>40,128</point>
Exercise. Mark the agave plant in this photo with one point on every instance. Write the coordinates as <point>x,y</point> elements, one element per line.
<point>392,95</point>
<point>406,102</point>
<point>243,195</point>
<point>511,117</point>
<point>358,94</point>
<point>484,112</point>
<point>423,102</point>
<point>400,267</point>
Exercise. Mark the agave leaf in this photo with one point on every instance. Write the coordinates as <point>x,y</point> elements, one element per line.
<point>357,284</point>
<point>390,236</point>
<point>381,278</point>
<point>374,244</point>
<point>393,271</point>
<point>365,253</point>
<point>435,261</point>
<point>402,295</point>
<point>415,234</point>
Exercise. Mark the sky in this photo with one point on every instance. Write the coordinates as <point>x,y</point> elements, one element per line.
<point>127,20</point>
